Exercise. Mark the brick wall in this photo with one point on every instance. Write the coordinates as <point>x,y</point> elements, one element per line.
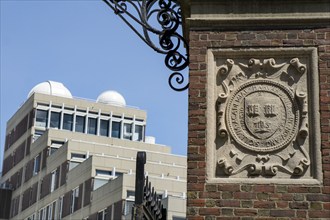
<point>253,201</point>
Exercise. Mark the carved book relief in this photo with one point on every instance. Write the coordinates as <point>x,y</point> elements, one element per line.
<point>262,115</point>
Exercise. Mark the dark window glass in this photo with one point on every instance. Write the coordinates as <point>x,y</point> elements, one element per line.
<point>52,150</point>
<point>128,207</point>
<point>80,123</point>
<point>100,216</point>
<point>92,125</point>
<point>130,193</point>
<point>41,118</point>
<point>36,164</point>
<point>104,172</point>
<point>67,122</point>
<point>55,120</point>
<point>54,211</point>
<point>41,215</point>
<point>138,133</point>
<point>127,131</point>
<point>53,181</point>
<point>104,127</point>
<point>118,174</point>
<point>57,143</point>
<point>115,129</point>
<point>76,155</point>
<point>99,182</point>
<point>37,134</point>
<point>74,199</point>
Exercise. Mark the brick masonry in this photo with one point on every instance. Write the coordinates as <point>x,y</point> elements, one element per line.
<point>253,201</point>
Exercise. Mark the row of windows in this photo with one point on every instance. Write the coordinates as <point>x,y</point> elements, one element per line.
<point>49,212</point>
<point>54,210</point>
<point>116,128</point>
<point>102,215</point>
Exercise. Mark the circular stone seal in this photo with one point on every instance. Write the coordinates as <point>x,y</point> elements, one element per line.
<point>262,116</point>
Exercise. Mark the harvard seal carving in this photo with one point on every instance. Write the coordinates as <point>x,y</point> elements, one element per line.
<point>262,116</point>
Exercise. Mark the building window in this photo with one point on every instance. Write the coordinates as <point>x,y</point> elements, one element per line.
<point>76,159</point>
<point>80,124</point>
<point>37,134</point>
<point>42,214</point>
<point>77,156</point>
<point>52,150</point>
<point>102,215</point>
<point>55,120</point>
<point>41,118</point>
<point>92,126</point>
<point>102,177</point>
<point>60,207</point>
<point>116,127</point>
<point>49,212</point>
<point>54,180</point>
<point>128,206</point>
<point>74,199</point>
<point>55,145</point>
<point>52,214</point>
<point>32,217</point>
<point>138,133</point>
<point>103,173</point>
<point>118,174</point>
<point>98,182</point>
<point>68,122</point>
<point>130,193</point>
<point>104,127</point>
<point>36,164</point>
<point>73,164</point>
<point>127,131</point>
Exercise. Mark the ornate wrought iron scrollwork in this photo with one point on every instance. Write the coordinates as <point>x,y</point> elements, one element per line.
<point>167,13</point>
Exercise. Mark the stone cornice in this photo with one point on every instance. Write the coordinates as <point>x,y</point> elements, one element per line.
<point>254,14</point>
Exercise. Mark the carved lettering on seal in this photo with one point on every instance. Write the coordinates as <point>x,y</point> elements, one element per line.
<point>262,116</point>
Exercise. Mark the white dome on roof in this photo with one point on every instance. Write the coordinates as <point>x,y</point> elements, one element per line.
<point>51,88</point>
<point>111,97</point>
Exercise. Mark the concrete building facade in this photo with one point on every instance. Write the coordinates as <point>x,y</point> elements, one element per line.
<point>68,158</point>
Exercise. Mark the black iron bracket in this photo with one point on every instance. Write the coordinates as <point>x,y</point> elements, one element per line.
<point>157,23</point>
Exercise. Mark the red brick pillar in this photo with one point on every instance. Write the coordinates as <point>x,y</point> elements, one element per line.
<point>266,59</point>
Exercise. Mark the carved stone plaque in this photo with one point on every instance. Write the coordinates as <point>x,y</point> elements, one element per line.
<point>264,115</point>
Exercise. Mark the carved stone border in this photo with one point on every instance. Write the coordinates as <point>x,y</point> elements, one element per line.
<point>313,104</point>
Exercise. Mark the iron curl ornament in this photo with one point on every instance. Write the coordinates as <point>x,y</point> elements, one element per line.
<point>162,36</point>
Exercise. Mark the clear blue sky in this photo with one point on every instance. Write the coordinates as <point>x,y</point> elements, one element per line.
<point>89,49</point>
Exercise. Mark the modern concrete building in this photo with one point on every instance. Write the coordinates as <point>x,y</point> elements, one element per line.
<point>69,158</point>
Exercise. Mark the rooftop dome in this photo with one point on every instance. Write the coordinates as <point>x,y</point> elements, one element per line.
<point>111,97</point>
<point>51,88</point>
